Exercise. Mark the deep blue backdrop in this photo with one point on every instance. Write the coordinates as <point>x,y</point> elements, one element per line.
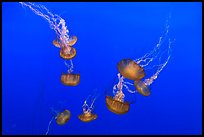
<point>107,33</point>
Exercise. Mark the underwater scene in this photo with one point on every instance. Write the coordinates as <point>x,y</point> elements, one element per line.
<point>101,68</point>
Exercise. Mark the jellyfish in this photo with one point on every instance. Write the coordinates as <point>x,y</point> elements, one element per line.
<point>87,115</point>
<point>61,117</point>
<point>67,54</point>
<point>56,43</point>
<point>128,68</point>
<point>117,104</point>
<point>69,78</point>
<point>142,88</point>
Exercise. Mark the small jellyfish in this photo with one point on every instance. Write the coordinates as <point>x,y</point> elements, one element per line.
<point>142,88</point>
<point>70,79</point>
<point>130,69</point>
<point>87,115</point>
<point>72,41</point>
<point>67,52</point>
<point>56,43</point>
<point>117,104</point>
<point>63,117</point>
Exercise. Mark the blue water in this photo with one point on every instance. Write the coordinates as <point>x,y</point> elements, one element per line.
<point>107,33</point>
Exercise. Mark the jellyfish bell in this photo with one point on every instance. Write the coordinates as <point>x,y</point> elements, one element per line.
<point>56,43</point>
<point>63,117</point>
<point>130,69</point>
<point>67,52</point>
<point>72,41</point>
<point>142,88</point>
<point>70,79</point>
<point>87,117</point>
<point>116,106</point>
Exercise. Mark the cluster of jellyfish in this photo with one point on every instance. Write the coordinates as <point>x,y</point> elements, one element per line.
<point>128,69</point>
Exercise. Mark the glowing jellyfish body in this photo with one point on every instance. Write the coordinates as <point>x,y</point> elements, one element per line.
<point>116,106</point>
<point>142,88</point>
<point>70,79</point>
<point>63,117</point>
<point>130,69</point>
<point>56,43</point>
<point>72,41</point>
<point>87,117</point>
<point>67,52</point>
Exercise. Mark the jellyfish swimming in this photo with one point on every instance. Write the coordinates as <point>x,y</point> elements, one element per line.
<point>62,41</point>
<point>128,68</point>
<point>69,78</point>
<point>87,115</point>
<point>135,70</point>
<point>60,117</point>
<point>117,104</point>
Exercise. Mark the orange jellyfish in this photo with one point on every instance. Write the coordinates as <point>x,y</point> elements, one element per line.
<point>130,69</point>
<point>67,52</point>
<point>87,114</point>
<point>56,43</point>
<point>63,117</point>
<point>72,41</point>
<point>117,104</point>
<point>142,88</point>
<point>70,79</point>
<point>87,117</point>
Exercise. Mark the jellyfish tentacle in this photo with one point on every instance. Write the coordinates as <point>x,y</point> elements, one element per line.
<point>48,128</point>
<point>150,80</point>
<point>55,21</point>
<point>149,57</point>
<point>129,90</point>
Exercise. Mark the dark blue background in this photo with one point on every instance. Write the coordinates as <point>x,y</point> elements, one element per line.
<point>107,33</point>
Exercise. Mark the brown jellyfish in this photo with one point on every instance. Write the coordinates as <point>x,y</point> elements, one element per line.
<point>130,69</point>
<point>56,43</point>
<point>67,52</point>
<point>142,88</point>
<point>117,106</point>
<point>63,117</point>
<point>70,79</point>
<point>87,114</point>
<point>87,117</point>
<point>72,41</point>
